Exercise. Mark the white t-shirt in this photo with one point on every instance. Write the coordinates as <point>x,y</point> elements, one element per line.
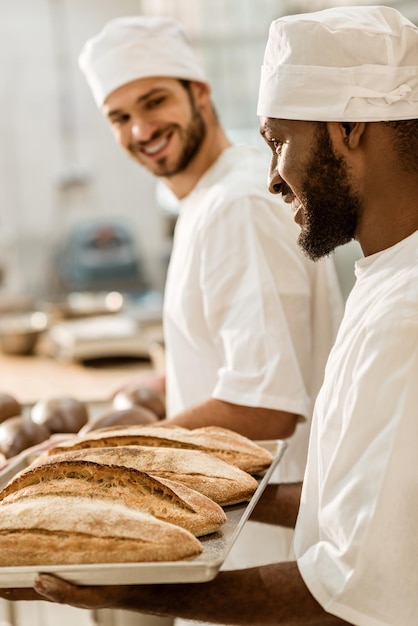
<point>356,537</point>
<point>247,318</point>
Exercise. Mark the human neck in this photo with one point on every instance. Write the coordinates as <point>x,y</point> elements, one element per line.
<point>214,143</point>
<point>384,227</point>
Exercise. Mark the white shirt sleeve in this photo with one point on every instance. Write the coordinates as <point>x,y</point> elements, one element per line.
<point>256,296</point>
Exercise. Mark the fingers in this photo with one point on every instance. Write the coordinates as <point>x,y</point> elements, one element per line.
<point>57,590</point>
<point>19,594</point>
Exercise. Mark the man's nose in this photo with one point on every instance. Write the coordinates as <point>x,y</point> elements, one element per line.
<point>275,183</point>
<point>141,130</point>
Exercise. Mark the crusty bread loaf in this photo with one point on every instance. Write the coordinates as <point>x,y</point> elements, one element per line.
<point>138,415</point>
<point>61,414</point>
<point>9,406</point>
<point>56,530</point>
<point>167,500</point>
<point>19,433</point>
<point>216,479</point>
<point>221,442</point>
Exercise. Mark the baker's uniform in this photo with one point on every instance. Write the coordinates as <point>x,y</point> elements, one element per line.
<point>356,537</point>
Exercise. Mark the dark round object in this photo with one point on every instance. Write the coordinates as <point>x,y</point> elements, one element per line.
<point>136,415</point>
<point>18,433</point>
<point>60,415</point>
<point>9,406</point>
<point>141,396</point>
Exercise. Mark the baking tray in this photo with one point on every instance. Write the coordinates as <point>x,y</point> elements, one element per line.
<point>198,569</point>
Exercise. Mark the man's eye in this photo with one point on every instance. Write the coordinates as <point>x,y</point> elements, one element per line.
<point>155,102</point>
<point>119,120</point>
<point>277,145</point>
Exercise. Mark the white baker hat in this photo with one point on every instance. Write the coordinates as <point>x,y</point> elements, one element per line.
<point>135,47</point>
<point>341,64</point>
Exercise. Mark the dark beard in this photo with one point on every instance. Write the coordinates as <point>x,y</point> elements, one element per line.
<point>195,134</point>
<point>331,209</point>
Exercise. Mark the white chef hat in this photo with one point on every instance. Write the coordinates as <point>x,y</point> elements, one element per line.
<point>135,47</point>
<point>341,64</point>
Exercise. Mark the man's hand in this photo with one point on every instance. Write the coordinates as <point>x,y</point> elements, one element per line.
<point>19,593</point>
<point>53,589</point>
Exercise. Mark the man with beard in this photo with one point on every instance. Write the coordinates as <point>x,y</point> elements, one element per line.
<point>248,321</point>
<point>338,107</point>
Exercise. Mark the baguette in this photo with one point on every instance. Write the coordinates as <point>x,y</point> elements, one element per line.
<point>225,444</point>
<point>56,530</point>
<point>167,500</point>
<point>214,478</point>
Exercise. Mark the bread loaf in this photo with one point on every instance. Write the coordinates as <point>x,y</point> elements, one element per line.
<point>216,479</point>
<point>9,406</point>
<point>56,530</point>
<point>167,500</point>
<point>137,415</point>
<point>225,444</point>
<point>18,433</point>
<point>141,396</point>
<point>62,414</point>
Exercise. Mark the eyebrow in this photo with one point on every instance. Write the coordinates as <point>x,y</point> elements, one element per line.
<point>139,100</point>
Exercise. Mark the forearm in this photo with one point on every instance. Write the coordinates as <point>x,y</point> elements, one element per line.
<point>279,504</point>
<point>253,422</point>
<point>273,594</point>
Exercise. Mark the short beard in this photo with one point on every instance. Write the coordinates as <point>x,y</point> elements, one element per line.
<point>331,209</point>
<point>195,135</point>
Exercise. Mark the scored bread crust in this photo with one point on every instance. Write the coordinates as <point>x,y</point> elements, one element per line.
<point>221,442</point>
<point>216,479</point>
<point>167,500</point>
<point>52,530</point>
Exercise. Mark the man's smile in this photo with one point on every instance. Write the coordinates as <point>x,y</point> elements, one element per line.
<point>156,146</point>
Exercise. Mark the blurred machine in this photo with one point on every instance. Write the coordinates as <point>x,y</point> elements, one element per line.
<point>99,255</point>
<point>101,305</point>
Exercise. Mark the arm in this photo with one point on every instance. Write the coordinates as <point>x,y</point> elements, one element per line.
<point>278,504</point>
<point>272,594</point>
<point>252,422</point>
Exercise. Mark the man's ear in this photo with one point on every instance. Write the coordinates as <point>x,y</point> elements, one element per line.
<point>350,133</point>
<point>201,91</point>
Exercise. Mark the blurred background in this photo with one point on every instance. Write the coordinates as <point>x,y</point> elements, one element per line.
<point>63,182</point>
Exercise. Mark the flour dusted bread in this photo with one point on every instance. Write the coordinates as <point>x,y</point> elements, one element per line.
<point>57,530</point>
<point>225,444</point>
<point>167,500</point>
<point>214,478</point>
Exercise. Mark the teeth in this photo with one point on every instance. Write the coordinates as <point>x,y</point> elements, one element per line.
<point>156,147</point>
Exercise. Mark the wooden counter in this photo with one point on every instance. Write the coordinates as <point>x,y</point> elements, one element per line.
<point>40,375</point>
<point>32,378</point>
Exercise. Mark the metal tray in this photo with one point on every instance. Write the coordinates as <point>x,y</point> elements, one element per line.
<point>199,569</point>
